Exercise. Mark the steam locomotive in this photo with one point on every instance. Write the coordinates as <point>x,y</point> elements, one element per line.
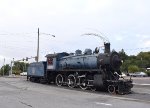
<point>88,70</point>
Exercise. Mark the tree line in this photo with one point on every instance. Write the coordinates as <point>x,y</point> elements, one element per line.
<point>132,63</point>
<point>17,68</point>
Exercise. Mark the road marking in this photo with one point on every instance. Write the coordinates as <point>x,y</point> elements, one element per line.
<point>106,104</point>
<point>124,98</point>
<point>131,99</point>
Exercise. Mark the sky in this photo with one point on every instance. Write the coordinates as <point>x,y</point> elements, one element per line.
<point>125,23</point>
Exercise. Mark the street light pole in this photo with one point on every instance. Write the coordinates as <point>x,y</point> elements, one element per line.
<point>11,67</point>
<point>37,58</point>
<point>3,66</point>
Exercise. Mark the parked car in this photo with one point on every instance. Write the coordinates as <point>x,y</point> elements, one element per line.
<point>138,74</point>
<point>23,74</point>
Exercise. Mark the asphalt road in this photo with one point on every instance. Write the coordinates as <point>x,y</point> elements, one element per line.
<point>141,80</point>
<point>19,93</point>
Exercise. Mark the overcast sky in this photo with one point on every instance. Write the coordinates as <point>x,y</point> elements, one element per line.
<point>125,23</point>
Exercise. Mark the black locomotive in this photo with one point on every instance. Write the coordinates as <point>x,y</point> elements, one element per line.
<point>88,70</point>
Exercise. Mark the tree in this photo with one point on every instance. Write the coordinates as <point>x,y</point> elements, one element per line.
<point>123,55</point>
<point>19,67</point>
<point>142,61</point>
<point>133,68</point>
<point>144,58</point>
<point>124,58</point>
<point>5,70</point>
<point>125,64</point>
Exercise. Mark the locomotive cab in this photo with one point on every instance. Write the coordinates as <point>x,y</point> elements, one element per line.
<point>51,61</point>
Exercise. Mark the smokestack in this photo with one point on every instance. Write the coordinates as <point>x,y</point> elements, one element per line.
<point>107,47</point>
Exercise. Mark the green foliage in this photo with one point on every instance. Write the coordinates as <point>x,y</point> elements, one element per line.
<point>133,68</point>
<point>145,59</point>
<point>135,63</point>
<point>141,69</point>
<point>5,70</point>
<point>124,66</point>
<point>16,72</point>
<point>148,73</point>
<point>17,68</point>
<point>123,55</point>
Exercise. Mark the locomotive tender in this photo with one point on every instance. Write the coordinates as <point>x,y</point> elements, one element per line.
<point>90,70</point>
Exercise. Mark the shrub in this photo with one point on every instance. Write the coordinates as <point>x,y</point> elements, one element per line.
<point>148,73</point>
<point>16,72</point>
<point>133,68</point>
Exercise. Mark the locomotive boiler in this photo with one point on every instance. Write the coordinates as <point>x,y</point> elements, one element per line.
<point>87,70</point>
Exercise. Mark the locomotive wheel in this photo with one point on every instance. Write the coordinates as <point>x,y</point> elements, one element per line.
<point>83,83</point>
<point>111,89</point>
<point>59,80</point>
<point>71,81</point>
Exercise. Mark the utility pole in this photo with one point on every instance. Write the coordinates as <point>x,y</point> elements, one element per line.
<point>3,66</point>
<point>11,67</point>
<point>38,47</point>
<point>38,42</point>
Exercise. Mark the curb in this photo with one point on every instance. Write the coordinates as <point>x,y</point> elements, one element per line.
<point>11,76</point>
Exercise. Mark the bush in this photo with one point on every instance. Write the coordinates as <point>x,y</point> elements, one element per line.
<point>142,70</point>
<point>16,72</point>
<point>148,73</point>
<point>133,68</point>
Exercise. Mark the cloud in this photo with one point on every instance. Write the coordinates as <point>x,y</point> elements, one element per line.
<point>142,36</point>
<point>119,38</point>
<point>96,6</point>
<point>143,40</point>
<point>147,43</point>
